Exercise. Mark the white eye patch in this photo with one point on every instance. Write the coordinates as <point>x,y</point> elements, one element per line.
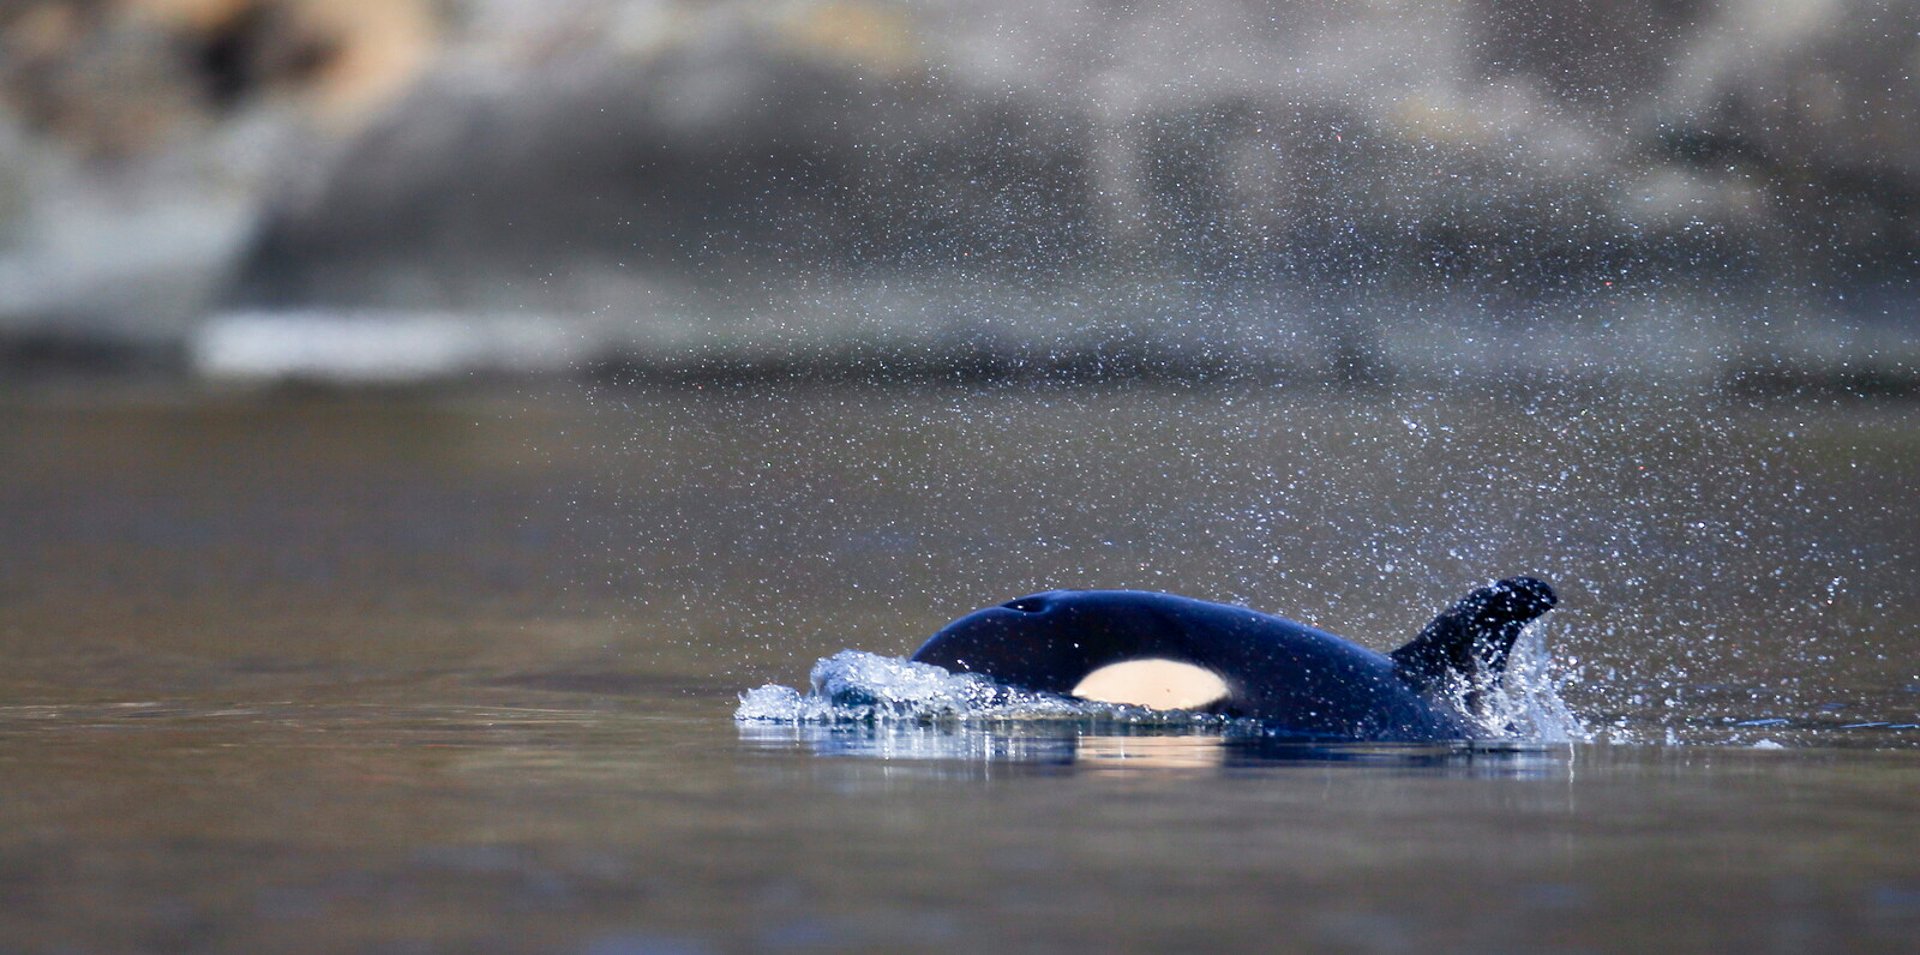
<point>1153,683</point>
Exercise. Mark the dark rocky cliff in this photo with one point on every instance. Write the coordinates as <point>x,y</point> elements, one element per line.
<point>818,171</point>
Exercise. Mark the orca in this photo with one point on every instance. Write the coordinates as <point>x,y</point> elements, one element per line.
<point>1168,652</point>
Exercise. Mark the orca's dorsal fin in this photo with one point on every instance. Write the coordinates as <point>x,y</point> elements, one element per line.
<point>1471,639</point>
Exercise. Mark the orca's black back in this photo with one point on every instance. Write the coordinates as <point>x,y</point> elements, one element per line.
<point>1296,679</point>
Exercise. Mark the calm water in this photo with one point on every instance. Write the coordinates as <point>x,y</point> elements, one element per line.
<point>457,674</point>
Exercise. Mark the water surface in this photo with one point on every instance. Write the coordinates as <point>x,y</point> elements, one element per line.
<point>458,673</point>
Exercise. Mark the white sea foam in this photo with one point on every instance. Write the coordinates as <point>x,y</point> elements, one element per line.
<point>375,347</point>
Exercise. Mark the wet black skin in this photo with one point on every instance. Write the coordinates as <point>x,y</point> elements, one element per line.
<point>1297,680</point>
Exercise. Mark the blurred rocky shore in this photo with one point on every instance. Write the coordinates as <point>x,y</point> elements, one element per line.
<point>1362,193</point>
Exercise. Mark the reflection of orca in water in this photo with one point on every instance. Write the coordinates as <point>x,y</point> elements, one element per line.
<point>1167,652</point>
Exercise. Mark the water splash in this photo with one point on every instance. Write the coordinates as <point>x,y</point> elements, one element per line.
<point>1526,704</point>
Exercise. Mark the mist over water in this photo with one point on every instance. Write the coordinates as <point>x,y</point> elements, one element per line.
<point>1711,572</point>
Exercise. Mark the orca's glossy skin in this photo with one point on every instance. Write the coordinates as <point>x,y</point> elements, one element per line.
<point>1298,680</point>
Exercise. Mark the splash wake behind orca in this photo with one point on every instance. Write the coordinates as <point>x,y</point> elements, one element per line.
<point>1168,652</point>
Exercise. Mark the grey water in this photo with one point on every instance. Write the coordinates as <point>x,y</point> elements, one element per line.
<point>456,671</point>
